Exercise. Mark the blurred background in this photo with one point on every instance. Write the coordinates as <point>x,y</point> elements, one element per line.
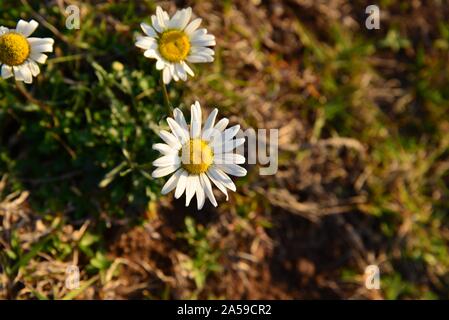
<point>363,156</point>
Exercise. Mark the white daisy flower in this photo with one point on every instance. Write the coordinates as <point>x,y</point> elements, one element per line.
<point>198,156</point>
<point>175,41</point>
<point>19,52</point>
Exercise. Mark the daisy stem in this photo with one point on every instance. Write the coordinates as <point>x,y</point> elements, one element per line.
<point>165,94</point>
<point>42,106</point>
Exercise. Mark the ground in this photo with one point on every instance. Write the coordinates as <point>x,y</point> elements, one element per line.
<point>363,156</point>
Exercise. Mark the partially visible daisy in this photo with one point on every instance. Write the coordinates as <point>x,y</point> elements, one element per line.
<point>196,156</point>
<point>175,41</point>
<point>19,53</point>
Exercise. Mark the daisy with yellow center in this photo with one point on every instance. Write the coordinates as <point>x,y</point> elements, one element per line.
<point>19,53</point>
<point>175,41</point>
<point>196,156</point>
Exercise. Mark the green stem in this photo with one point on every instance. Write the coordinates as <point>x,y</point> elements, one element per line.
<point>165,94</point>
<point>42,106</point>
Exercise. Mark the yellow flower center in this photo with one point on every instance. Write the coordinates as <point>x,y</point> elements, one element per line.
<point>14,49</point>
<point>174,45</point>
<point>197,156</point>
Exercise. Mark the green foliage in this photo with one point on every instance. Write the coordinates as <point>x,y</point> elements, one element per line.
<point>85,137</point>
<point>406,140</point>
<point>204,258</point>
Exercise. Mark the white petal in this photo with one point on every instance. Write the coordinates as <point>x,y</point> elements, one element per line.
<point>202,51</point>
<point>18,73</point>
<point>203,54</point>
<point>228,145</point>
<point>197,38</point>
<point>167,160</point>
<point>218,184</point>
<point>160,64</point>
<point>195,122</point>
<point>180,71</point>
<point>200,197</point>
<point>185,18</point>
<point>231,132</point>
<point>34,68</point>
<point>217,130</point>
<point>192,181</point>
<point>6,71</point>
<point>221,177</point>
<point>155,24</point>
<point>208,126</point>
<point>172,182</point>
<point>40,41</point>
<point>180,19</point>
<point>164,148</point>
<point>222,139</point>
<point>179,117</point>
<point>166,16</point>
<point>228,134</point>
<point>177,130</point>
<point>173,72</point>
<point>192,26</point>
<point>205,182</point>
<point>173,23</point>
<point>187,69</point>
<point>47,47</point>
<point>182,183</point>
<point>170,139</point>
<point>166,75</point>
<point>3,30</point>
<point>197,33</point>
<point>145,42</point>
<point>25,72</point>
<point>204,43</point>
<point>222,124</point>
<point>232,169</point>
<point>205,51</point>
<point>163,171</point>
<point>26,28</point>
<point>196,58</point>
<point>161,17</point>
<point>38,57</point>
<point>151,54</point>
<point>229,158</point>
<point>148,30</point>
